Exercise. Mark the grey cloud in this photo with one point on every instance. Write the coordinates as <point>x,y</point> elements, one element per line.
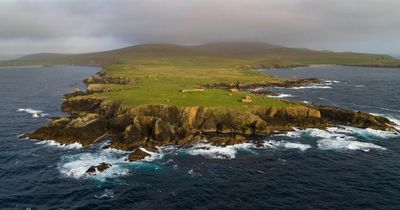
<point>79,25</point>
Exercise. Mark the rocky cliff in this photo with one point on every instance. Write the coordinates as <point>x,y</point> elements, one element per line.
<point>147,126</point>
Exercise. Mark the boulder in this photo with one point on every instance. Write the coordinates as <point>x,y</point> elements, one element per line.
<point>137,155</point>
<point>98,168</point>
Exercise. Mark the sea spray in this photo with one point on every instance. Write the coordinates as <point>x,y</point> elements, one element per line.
<point>35,113</point>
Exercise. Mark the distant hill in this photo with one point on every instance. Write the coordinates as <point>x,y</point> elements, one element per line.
<point>248,52</point>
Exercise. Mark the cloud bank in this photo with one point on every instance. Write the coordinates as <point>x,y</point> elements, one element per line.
<point>28,26</point>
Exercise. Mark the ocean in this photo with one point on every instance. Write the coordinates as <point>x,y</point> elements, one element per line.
<point>338,168</point>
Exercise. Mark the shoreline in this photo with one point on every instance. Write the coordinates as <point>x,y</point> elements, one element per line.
<point>91,118</point>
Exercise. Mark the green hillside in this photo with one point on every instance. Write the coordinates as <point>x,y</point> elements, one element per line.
<point>161,71</point>
<point>240,53</point>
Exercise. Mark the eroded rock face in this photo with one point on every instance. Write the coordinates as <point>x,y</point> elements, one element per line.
<point>356,119</point>
<point>99,168</point>
<point>84,128</point>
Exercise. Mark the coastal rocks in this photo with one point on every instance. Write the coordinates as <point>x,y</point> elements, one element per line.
<point>137,155</point>
<point>356,119</point>
<point>97,88</point>
<point>98,168</point>
<point>150,126</point>
<point>299,82</point>
<point>271,66</point>
<point>104,79</point>
<point>81,104</point>
<point>76,92</point>
<point>264,92</point>
<point>83,128</point>
<point>274,83</point>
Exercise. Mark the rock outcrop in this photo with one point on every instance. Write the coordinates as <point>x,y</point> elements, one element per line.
<point>98,168</point>
<point>144,128</point>
<point>278,83</point>
<point>103,79</point>
<point>137,155</point>
<point>148,126</point>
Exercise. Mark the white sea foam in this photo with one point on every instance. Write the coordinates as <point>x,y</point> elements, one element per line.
<point>337,144</point>
<point>317,133</point>
<point>226,152</point>
<point>329,133</point>
<point>316,86</point>
<point>396,121</point>
<point>153,155</point>
<point>286,145</point>
<point>76,165</point>
<point>291,134</point>
<point>332,81</point>
<point>282,96</point>
<point>257,89</point>
<point>366,133</point>
<point>53,143</point>
<point>35,113</point>
<point>341,138</point>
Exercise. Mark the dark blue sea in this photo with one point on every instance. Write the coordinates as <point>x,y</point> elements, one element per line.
<point>338,168</point>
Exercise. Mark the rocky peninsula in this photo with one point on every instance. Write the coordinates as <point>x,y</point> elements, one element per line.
<point>147,127</point>
<point>149,96</point>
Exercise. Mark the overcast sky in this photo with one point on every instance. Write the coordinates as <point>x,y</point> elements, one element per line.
<point>29,26</point>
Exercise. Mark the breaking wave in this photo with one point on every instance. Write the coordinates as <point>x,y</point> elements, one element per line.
<point>286,145</point>
<point>342,137</point>
<point>226,152</point>
<point>339,144</point>
<point>339,138</point>
<point>153,155</point>
<point>76,165</point>
<point>282,96</point>
<point>35,113</point>
<point>53,143</point>
<point>316,86</point>
<point>331,81</point>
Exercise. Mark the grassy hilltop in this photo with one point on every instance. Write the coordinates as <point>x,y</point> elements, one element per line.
<point>161,71</point>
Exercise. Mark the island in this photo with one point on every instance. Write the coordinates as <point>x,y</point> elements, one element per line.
<point>153,95</point>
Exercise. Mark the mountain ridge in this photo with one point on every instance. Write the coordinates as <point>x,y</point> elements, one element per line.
<point>265,52</point>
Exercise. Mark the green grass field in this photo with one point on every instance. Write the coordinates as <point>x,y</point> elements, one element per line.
<point>161,81</point>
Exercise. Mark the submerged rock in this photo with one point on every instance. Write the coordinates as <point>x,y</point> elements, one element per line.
<point>98,168</point>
